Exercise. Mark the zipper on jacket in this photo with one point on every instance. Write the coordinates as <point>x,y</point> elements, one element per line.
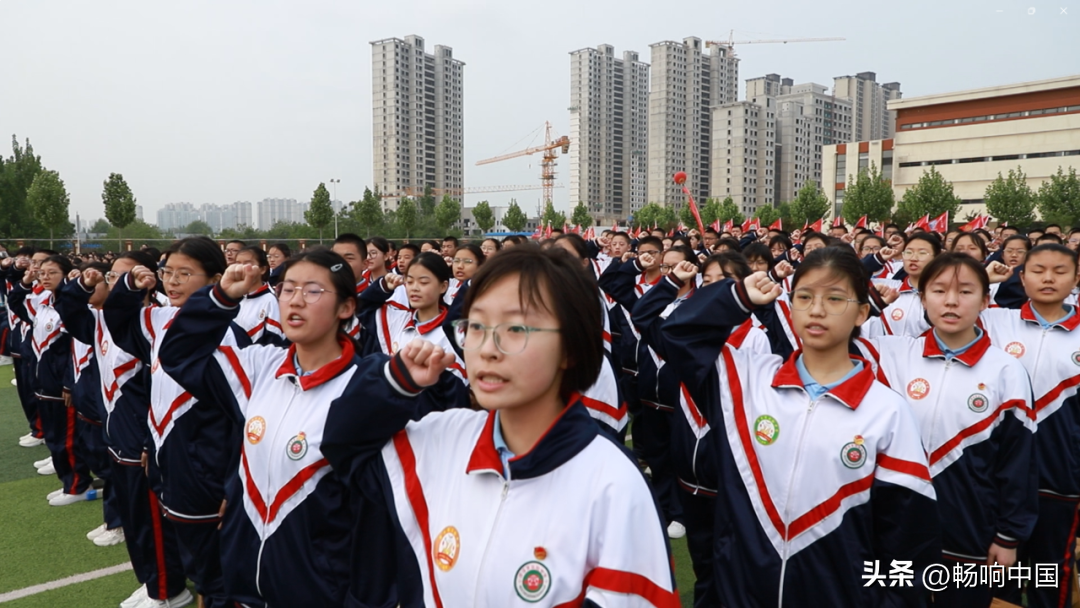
<point>262,525</point>
<point>491,533</point>
<point>787,504</point>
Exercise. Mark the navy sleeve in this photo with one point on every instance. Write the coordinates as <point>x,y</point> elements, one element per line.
<point>618,281</point>
<point>368,304</point>
<point>123,312</point>
<point>646,313</point>
<point>696,331</point>
<point>906,528</point>
<point>458,304</point>
<point>16,301</point>
<point>592,250</point>
<point>1010,293</point>
<point>72,303</point>
<point>1016,476</point>
<point>873,263</point>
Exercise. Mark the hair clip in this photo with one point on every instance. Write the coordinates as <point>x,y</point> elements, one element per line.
<point>336,267</point>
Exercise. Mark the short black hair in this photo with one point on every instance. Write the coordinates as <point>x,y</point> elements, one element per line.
<point>352,238</point>
<point>647,240</point>
<point>1052,248</point>
<point>450,239</point>
<point>759,250</point>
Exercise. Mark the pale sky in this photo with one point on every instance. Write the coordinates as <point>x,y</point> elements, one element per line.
<point>218,101</point>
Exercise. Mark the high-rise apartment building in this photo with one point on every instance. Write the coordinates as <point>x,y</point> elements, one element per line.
<point>174,216</point>
<point>609,129</point>
<point>687,81</point>
<point>871,118</point>
<point>417,106</point>
<point>273,210</point>
<point>743,153</point>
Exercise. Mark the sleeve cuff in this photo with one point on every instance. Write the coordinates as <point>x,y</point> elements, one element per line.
<point>1005,541</point>
<point>741,298</point>
<point>222,299</point>
<point>399,377</point>
<point>877,303</point>
<point>83,286</point>
<point>674,280</point>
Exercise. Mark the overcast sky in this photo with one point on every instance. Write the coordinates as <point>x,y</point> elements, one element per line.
<point>218,101</point>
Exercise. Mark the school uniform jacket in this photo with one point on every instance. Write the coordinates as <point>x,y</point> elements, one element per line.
<point>288,528</point>
<point>123,379</point>
<point>474,537</point>
<point>1052,360</point>
<point>624,283</point>
<point>260,316</point>
<point>904,317</point>
<point>976,423</point>
<point>192,445</point>
<point>811,488</point>
<point>50,342</point>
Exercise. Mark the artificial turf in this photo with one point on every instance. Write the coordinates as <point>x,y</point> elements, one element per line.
<point>40,543</point>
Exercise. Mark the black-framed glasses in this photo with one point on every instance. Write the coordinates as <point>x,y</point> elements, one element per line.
<point>834,304</point>
<point>311,295</point>
<point>510,338</point>
<point>168,275</point>
<point>666,268</point>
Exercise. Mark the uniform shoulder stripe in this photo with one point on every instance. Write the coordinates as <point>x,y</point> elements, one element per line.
<point>418,502</point>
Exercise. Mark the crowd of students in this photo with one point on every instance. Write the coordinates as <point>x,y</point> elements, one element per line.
<point>444,423</point>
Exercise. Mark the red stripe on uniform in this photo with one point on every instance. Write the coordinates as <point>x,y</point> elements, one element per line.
<point>604,408</point>
<point>415,492</point>
<point>699,420</point>
<point>827,508</point>
<point>1055,392</point>
<point>386,330</point>
<point>982,425</point>
<point>147,316</point>
<point>69,446</point>
<point>629,583</point>
<point>234,361</point>
<point>119,371</point>
<point>160,427</point>
<point>906,467</point>
<point>159,549</point>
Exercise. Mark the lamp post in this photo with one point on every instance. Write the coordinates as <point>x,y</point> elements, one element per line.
<point>335,182</point>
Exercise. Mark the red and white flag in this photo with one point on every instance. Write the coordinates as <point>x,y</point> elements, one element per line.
<point>940,223</point>
<point>728,225</point>
<point>777,225</point>
<point>837,221</point>
<point>816,226</point>
<point>861,223</point>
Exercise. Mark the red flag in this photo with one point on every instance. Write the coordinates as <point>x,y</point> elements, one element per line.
<point>755,224</point>
<point>745,225</point>
<point>537,234</point>
<point>671,232</point>
<point>861,223</point>
<point>924,223</point>
<point>615,227</point>
<point>637,232</point>
<point>682,227</point>
<point>777,225</point>
<point>728,225</point>
<point>576,229</point>
<point>985,222</point>
<point>940,223</point>
<point>816,226</point>
<point>590,234</point>
<point>838,221</point>
<point>715,225</point>
<point>547,232</point>
<point>1004,224</point>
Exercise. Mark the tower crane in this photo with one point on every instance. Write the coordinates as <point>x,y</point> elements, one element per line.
<point>731,42</point>
<point>550,148</point>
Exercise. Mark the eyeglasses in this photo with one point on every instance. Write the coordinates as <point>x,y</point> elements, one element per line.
<point>510,338</point>
<point>833,304</point>
<point>870,249</point>
<point>311,295</point>
<point>918,255</point>
<point>231,250</point>
<point>110,277</point>
<point>665,268</point>
<point>1015,251</point>
<point>648,251</point>
<point>167,275</point>
<point>464,261</point>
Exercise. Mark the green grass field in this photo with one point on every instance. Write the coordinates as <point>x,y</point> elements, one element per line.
<point>40,544</point>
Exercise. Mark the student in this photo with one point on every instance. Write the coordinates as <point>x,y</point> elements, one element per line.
<point>449,247</point>
<point>467,260</point>
<point>275,257</point>
<point>789,435</point>
<point>193,444</point>
<point>905,317</point>
<point>973,405</point>
<point>405,256</point>
<point>259,315</point>
<point>490,246</point>
<point>125,386</point>
<point>395,310</point>
<point>354,250</point>
<point>462,478</point>
<point>970,244</point>
<point>288,528</point>
<point>231,249</point>
<point>1014,249</point>
<point>378,258</point>
<point>1043,336</point>
<point>11,272</point>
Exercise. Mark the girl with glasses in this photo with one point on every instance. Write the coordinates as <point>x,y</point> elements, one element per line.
<point>259,315</point>
<point>466,261</point>
<point>275,258</point>
<point>821,464</point>
<point>192,442</point>
<point>378,258</point>
<point>904,317</point>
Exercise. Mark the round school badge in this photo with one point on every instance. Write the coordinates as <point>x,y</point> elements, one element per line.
<point>918,388</point>
<point>256,428</point>
<point>1076,357</point>
<point>447,546</point>
<point>48,326</point>
<point>897,314</point>
<point>766,430</point>
<point>532,581</point>
<point>262,315</point>
<point>978,403</point>
<point>297,447</point>
<point>105,347</point>
<point>1015,349</point>
<point>853,454</point>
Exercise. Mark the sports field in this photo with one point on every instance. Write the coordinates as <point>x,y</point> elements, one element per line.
<point>42,545</point>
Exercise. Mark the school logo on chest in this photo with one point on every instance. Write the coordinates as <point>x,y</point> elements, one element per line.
<point>897,314</point>
<point>48,326</point>
<point>105,347</point>
<point>918,388</point>
<point>1076,357</point>
<point>766,430</point>
<point>532,581</point>
<point>853,454</point>
<point>1015,349</point>
<point>446,549</point>
<point>297,447</point>
<point>978,401</point>
<point>256,428</point>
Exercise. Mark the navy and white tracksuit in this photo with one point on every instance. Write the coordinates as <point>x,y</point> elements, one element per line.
<point>904,317</point>
<point>812,488</point>
<point>290,523</point>
<point>17,344</point>
<point>90,440</point>
<point>150,538</point>
<point>1051,356</point>
<point>260,316</point>
<point>977,426</point>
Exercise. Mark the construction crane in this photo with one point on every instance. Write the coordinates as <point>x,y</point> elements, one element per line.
<point>551,152</point>
<point>731,42</point>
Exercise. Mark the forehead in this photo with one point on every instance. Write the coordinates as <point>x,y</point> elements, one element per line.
<point>823,279</point>
<point>345,248</point>
<point>246,255</point>
<point>503,299</point>
<point>306,272</point>
<point>954,274</point>
<point>179,260</point>
<point>1050,259</point>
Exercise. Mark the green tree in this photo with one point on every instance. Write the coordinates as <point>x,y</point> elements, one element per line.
<point>447,213</point>
<point>17,174</point>
<point>101,226</point>
<point>426,203</point>
<point>484,216</point>
<point>667,217</point>
<point>580,216</point>
<point>810,204</point>
<point>785,214</point>
<point>243,233</point>
<point>136,231</point>
<point>767,214</point>
<point>48,200</point>
<point>320,211</point>
<point>197,227</point>
<point>515,219</point>
<point>119,204</point>
<point>686,216</point>
<point>868,194</point>
<point>1010,199</point>
<point>648,216</point>
<point>406,216</point>
<point>552,218</point>
<point>1059,198</point>
<point>367,212</point>
<point>730,211</point>
<point>932,196</point>
<point>711,211</point>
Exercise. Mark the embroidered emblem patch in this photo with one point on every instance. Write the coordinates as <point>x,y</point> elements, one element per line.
<point>1015,349</point>
<point>48,326</point>
<point>105,347</point>
<point>978,402</point>
<point>262,315</point>
<point>918,388</point>
<point>532,581</point>
<point>256,428</point>
<point>897,314</point>
<point>1076,357</point>
<point>297,447</point>
<point>540,553</point>
<point>853,454</point>
<point>446,548</point>
<point>766,430</point>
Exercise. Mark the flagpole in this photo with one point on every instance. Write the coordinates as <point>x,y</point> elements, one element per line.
<point>680,178</point>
